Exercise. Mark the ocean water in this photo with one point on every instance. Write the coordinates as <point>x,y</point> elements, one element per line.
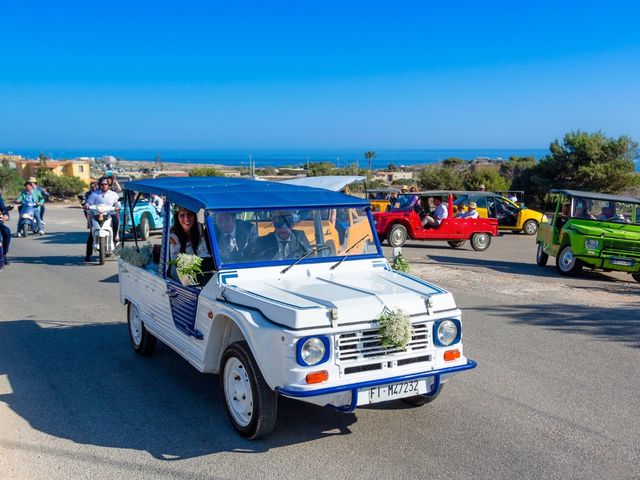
<point>295,157</point>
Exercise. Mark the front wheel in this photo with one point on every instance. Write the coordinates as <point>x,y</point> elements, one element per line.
<point>541,256</point>
<point>25,230</point>
<point>102,249</point>
<point>141,340</point>
<point>397,235</point>
<point>419,400</point>
<point>530,227</point>
<point>144,228</point>
<point>480,241</point>
<point>252,407</point>
<point>456,243</point>
<point>567,263</point>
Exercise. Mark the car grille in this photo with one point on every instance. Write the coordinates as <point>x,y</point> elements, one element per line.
<point>365,344</point>
<point>620,246</point>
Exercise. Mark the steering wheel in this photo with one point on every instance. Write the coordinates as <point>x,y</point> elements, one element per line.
<point>617,219</point>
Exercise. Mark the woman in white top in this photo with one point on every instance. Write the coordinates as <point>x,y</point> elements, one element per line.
<point>186,236</point>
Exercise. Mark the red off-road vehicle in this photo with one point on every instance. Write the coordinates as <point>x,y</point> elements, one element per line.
<point>403,221</point>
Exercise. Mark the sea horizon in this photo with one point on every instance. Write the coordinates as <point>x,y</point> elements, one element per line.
<point>263,157</point>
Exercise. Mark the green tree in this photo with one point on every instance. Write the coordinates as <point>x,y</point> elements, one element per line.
<point>490,178</point>
<point>455,162</point>
<point>369,155</point>
<point>62,187</point>
<point>392,167</point>
<point>439,178</point>
<point>515,166</point>
<point>42,169</point>
<point>583,161</point>
<point>10,182</point>
<point>317,169</point>
<point>206,172</point>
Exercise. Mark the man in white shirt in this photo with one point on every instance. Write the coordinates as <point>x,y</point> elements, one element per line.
<point>157,202</point>
<point>103,196</point>
<point>440,213</point>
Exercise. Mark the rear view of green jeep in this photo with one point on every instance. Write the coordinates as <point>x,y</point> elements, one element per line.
<point>593,230</point>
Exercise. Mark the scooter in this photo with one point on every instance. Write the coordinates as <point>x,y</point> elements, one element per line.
<point>27,218</point>
<point>2,259</point>
<point>102,231</point>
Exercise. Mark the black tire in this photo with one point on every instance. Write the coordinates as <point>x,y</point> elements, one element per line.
<point>456,243</point>
<point>329,249</point>
<point>419,400</point>
<point>636,276</point>
<point>141,340</point>
<point>253,417</point>
<point>541,257</point>
<point>480,241</point>
<point>397,235</point>
<point>25,230</point>
<point>102,249</point>
<point>530,227</point>
<point>144,228</point>
<point>566,263</point>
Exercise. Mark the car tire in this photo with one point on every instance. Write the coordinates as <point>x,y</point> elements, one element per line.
<point>419,400</point>
<point>480,241</point>
<point>144,228</point>
<point>541,256</point>
<point>456,243</point>
<point>252,407</point>
<point>530,227</point>
<point>329,249</point>
<point>566,262</point>
<point>636,276</point>
<point>397,235</point>
<point>141,340</point>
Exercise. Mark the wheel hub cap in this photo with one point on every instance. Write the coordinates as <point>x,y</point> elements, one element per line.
<point>238,393</point>
<point>135,325</point>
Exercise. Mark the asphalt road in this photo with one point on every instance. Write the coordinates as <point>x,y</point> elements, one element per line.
<point>556,393</point>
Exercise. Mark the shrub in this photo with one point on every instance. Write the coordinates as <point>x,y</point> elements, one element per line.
<point>10,181</point>
<point>206,172</point>
<point>62,187</point>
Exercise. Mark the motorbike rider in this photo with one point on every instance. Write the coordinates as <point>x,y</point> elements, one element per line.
<point>103,196</point>
<point>43,192</point>
<point>29,195</point>
<point>5,231</point>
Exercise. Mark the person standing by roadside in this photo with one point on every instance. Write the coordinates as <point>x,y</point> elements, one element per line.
<point>5,231</point>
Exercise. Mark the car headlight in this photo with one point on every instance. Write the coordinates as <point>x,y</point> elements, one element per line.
<point>446,332</point>
<point>591,244</point>
<point>312,351</point>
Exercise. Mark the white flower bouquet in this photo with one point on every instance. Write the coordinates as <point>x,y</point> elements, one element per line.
<point>395,329</point>
<point>188,268</point>
<point>133,256</point>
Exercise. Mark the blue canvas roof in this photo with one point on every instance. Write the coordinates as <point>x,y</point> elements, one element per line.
<point>230,193</point>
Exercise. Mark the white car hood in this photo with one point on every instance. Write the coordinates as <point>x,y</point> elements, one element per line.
<point>309,301</point>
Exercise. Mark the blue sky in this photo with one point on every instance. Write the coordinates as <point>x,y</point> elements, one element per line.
<point>325,74</point>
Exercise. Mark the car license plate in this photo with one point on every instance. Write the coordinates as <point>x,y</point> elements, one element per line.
<point>622,261</point>
<point>395,390</point>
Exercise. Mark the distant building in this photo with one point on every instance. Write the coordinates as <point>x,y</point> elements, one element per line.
<point>10,159</point>
<point>61,168</point>
<point>391,177</point>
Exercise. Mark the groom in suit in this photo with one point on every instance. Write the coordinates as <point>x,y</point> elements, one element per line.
<point>235,237</point>
<point>283,243</point>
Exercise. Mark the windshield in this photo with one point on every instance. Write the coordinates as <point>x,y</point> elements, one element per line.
<point>602,210</point>
<point>281,237</point>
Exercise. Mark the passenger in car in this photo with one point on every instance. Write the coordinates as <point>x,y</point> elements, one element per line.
<point>284,242</point>
<point>187,236</point>
<point>234,237</point>
<point>439,214</point>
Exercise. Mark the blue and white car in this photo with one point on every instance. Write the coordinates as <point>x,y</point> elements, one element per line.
<point>298,326</point>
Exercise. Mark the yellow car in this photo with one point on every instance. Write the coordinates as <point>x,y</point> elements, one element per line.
<point>379,198</point>
<point>510,215</point>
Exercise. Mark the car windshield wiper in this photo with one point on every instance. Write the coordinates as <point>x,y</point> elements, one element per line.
<point>306,255</point>
<point>333,267</point>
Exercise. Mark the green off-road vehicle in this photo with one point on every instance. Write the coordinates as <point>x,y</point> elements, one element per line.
<point>593,230</point>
